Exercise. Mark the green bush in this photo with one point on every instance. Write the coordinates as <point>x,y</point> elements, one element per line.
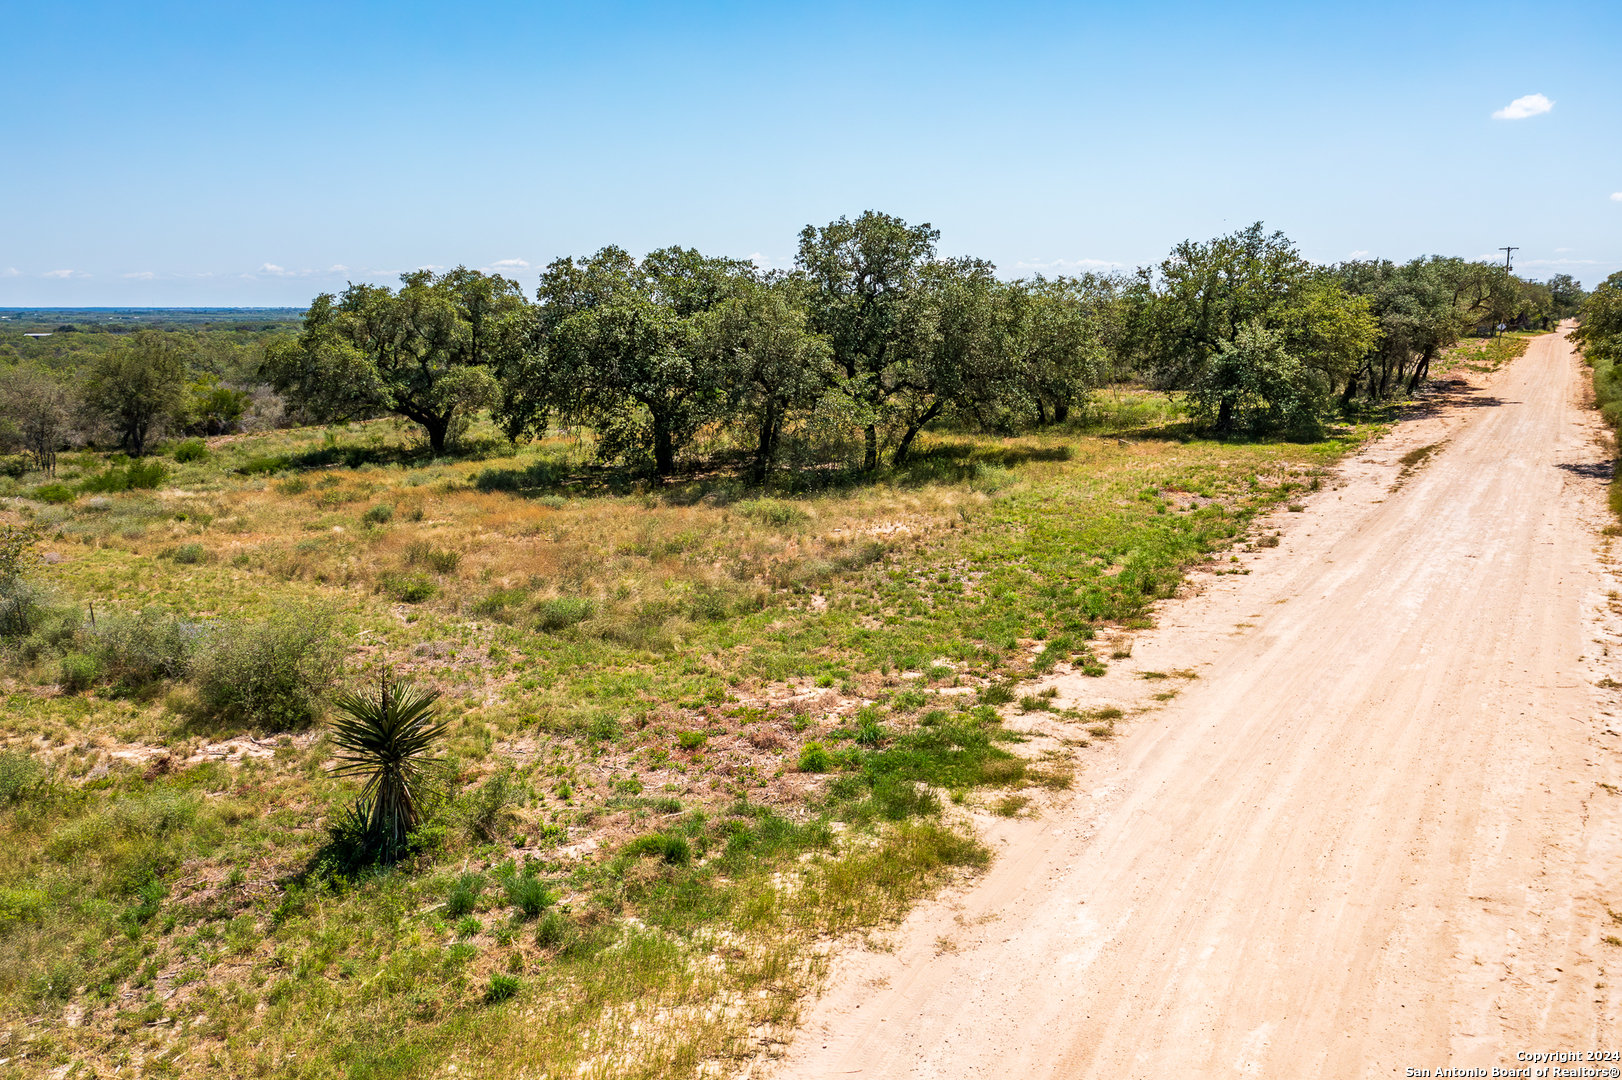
<point>53,493</point>
<point>274,674</point>
<point>815,759</point>
<point>464,895</point>
<point>137,475</point>
<point>773,512</point>
<point>406,588</point>
<point>256,465</point>
<point>528,894</point>
<point>79,673</point>
<point>552,930</point>
<point>21,777</point>
<point>381,514</point>
<point>15,465</point>
<point>488,808</point>
<point>141,648</point>
<point>561,612</point>
<point>501,987</point>
<point>672,849</point>
<point>191,450</point>
<point>190,554</point>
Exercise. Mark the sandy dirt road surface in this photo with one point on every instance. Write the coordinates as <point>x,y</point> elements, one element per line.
<point>1373,835</point>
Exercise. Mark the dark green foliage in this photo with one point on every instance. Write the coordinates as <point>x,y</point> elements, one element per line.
<point>388,740</point>
<point>552,930</point>
<point>814,758</point>
<point>380,514</point>
<point>137,387</point>
<point>191,450</point>
<point>438,560</point>
<point>53,493</point>
<point>691,740</point>
<point>137,475</point>
<point>264,464</point>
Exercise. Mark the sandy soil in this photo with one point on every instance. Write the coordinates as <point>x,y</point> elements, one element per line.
<point>1374,834</point>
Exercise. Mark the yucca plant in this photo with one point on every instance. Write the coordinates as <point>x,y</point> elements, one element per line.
<point>388,740</point>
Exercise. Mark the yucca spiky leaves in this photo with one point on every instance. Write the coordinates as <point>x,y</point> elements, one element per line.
<point>388,740</point>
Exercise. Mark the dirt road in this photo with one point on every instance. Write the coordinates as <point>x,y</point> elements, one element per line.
<point>1373,835</point>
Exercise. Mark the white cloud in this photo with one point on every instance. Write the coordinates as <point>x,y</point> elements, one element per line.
<point>1522,107</point>
<point>272,268</point>
<point>1358,255</point>
<point>11,271</point>
<point>1616,196</point>
<point>141,275</point>
<point>513,264</point>
<point>1061,266</point>
<point>337,268</point>
<point>60,274</point>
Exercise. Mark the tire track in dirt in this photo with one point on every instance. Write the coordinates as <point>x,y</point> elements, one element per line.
<point>1373,835</point>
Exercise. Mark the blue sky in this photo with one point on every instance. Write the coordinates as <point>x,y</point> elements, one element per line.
<point>257,154</point>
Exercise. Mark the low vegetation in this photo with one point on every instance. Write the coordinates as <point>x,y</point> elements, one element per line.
<point>675,742</point>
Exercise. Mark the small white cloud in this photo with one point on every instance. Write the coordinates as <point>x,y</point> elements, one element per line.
<point>11,271</point>
<point>272,268</point>
<point>337,268</point>
<point>1358,255</point>
<point>58,273</point>
<point>512,264</point>
<point>141,275</point>
<point>1060,266</point>
<point>1616,196</point>
<point>1522,107</point>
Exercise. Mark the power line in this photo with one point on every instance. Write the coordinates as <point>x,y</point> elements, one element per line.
<point>1507,251</point>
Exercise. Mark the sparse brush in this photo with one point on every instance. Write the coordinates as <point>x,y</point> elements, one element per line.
<point>464,895</point>
<point>274,674</point>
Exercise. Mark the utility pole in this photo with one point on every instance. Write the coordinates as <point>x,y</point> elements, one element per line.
<point>1507,251</point>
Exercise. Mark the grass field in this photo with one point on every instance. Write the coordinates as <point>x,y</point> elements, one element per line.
<point>698,733</point>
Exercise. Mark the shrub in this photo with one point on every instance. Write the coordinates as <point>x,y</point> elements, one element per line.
<point>773,512</point>
<point>464,895</point>
<point>53,493</point>
<point>561,612</point>
<point>191,450</point>
<point>142,648</point>
<point>501,988</point>
<point>406,588</point>
<point>15,465</point>
<point>263,465</point>
<point>996,694</point>
<point>21,777</point>
<point>273,674</point>
<point>381,514</point>
<point>137,475</point>
<point>528,894</point>
<point>672,849</point>
<point>190,554</point>
<point>691,740</point>
<point>552,930</point>
<point>440,561</point>
<point>79,673</point>
<point>815,759</point>
<point>489,807</point>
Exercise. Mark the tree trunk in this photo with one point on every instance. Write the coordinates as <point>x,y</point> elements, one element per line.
<point>766,447</point>
<point>438,428</point>
<point>1041,410</point>
<point>1225,416</point>
<point>1421,370</point>
<point>912,432</point>
<point>870,460</point>
<point>1061,411</point>
<point>664,448</point>
<point>1351,390</point>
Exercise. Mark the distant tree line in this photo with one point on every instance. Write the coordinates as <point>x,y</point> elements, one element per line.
<point>1599,336</point>
<point>844,359</point>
